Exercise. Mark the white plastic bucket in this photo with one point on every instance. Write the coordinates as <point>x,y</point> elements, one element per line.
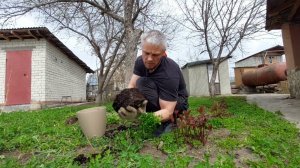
<point>92,121</point>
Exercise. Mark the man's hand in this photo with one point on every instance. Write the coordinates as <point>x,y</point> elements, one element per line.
<point>131,113</point>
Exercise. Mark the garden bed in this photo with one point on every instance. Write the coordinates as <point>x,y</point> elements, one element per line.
<point>246,136</point>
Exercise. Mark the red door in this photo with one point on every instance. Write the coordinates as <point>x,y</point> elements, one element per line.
<point>18,77</point>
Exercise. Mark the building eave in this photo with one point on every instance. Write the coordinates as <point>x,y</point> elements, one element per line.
<point>278,48</point>
<point>41,33</point>
<point>280,12</point>
<point>202,62</point>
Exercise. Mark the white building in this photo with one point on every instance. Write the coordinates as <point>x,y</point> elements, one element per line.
<point>197,76</point>
<point>269,56</point>
<point>36,69</point>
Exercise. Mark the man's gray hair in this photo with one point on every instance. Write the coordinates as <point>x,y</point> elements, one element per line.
<point>155,37</point>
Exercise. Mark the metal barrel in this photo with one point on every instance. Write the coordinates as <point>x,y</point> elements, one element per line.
<point>266,74</point>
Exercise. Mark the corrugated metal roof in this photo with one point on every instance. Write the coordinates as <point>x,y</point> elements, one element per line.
<point>278,48</point>
<point>191,64</point>
<point>38,33</point>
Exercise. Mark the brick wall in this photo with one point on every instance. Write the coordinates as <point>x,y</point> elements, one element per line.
<point>53,74</point>
<point>64,77</point>
<point>38,65</point>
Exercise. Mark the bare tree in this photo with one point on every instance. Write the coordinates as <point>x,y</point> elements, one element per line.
<point>102,33</point>
<point>220,26</point>
<point>106,25</point>
<point>112,28</point>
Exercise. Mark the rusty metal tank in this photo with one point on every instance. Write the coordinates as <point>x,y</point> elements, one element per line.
<point>265,74</point>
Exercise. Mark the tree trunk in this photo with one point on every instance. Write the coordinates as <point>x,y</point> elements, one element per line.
<point>212,89</point>
<point>99,97</point>
<point>132,36</point>
<point>131,41</point>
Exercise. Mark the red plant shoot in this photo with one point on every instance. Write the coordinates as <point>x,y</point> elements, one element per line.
<point>194,127</point>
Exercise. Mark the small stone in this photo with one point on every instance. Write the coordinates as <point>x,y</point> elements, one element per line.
<point>71,120</point>
<point>160,145</point>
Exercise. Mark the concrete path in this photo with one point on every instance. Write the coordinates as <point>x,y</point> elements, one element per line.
<point>28,107</point>
<point>290,108</point>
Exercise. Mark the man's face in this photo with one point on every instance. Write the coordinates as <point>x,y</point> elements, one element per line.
<point>151,55</point>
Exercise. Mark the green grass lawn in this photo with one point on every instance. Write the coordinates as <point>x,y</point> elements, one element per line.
<point>249,137</point>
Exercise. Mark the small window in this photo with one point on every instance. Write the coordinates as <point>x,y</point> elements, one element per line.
<point>270,59</point>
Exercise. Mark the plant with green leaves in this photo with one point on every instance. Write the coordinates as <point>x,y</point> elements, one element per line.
<point>42,139</point>
<point>148,122</point>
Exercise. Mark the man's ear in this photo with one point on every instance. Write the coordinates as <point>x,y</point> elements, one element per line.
<point>165,54</point>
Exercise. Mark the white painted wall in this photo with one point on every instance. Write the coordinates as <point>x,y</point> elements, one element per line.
<point>256,60</point>
<point>198,81</point>
<point>185,73</point>
<point>64,77</point>
<point>2,73</point>
<point>37,70</point>
<point>224,78</point>
<point>249,62</point>
<point>196,78</point>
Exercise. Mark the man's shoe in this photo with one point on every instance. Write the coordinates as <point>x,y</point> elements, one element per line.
<point>164,128</point>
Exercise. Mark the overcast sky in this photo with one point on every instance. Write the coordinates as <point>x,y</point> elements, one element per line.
<point>181,50</point>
